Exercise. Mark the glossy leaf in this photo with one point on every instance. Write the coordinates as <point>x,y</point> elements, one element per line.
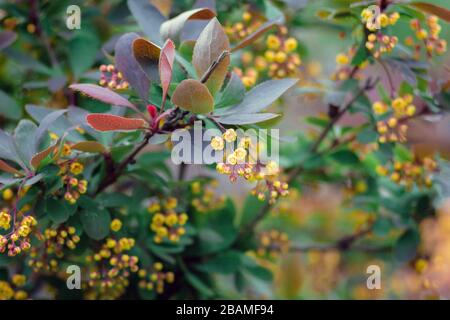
<point>102,94</point>
<point>241,119</point>
<point>262,96</point>
<point>89,146</point>
<point>108,122</point>
<point>192,95</point>
<point>147,55</point>
<point>96,223</point>
<point>171,29</point>
<point>127,64</point>
<point>37,159</point>
<point>166,67</point>
<point>209,47</point>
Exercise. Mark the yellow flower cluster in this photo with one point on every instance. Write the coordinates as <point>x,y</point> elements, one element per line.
<point>391,128</point>
<point>281,56</point>
<point>383,20</point>
<point>155,278</point>
<point>74,187</point>
<point>113,267</point>
<point>427,38</point>
<point>10,291</point>
<point>112,78</point>
<point>166,223</point>
<point>272,243</point>
<point>239,30</point>
<point>206,197</point>
<point>56,240</point>
<point>410,173</point>
<point>241,163</point>
<point>379,43</point>
<point>18,240</point>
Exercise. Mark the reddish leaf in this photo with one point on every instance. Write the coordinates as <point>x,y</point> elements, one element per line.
<point>108,122</point>
<point>211,44</point>
<point>166,60</point>
<point>152,111</point>
<point>7,168</point>
<point>103,94</point>
<point>89,146</point>
<point>147,55</point>
<point>39,157</point>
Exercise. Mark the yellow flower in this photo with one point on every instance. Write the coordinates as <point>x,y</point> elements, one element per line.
<point>421,34</point>
<point>158,266</point>
<point>246,16</point>
<point>290,45</point>
<point>280,57</point>
<point>240,154</point>
<point>379,108</point>
<point>342,59</point>
<point>384,20</point>
<point>273,42</point>
<point>5,220</point>
<point>8,194</point>
<point>116,225</point>
<point>6,292</point>
<point>76,168</point>
<point>269,55</point>
<point>394,18</point>
<point>20,295</point>
<point>382,171</point>
<point>231,159</point>
<point>411,110</point>
<point>19,280</point>
<point>171,203</point>
<point>217,143</point>
<point>230,135</point>
<point>154,207</point>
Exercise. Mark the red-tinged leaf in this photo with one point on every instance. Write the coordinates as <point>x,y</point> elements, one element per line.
<point>37,159</point>
<point>7,168</point>
<point>147,55</point>
<point>107,122</point>
<point>438,11</point>
<point>255,35</point>
<point>166,60</point>
<point>89,146</point>
<point>192,95</point>
<point>102,94</point>
<point>127,64</point>
<point>172,29</point>
<point>211,44</point>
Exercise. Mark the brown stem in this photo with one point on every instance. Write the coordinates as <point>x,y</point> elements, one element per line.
<point>213,66</point>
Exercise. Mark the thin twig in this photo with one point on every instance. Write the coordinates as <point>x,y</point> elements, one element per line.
<point>213,66</point>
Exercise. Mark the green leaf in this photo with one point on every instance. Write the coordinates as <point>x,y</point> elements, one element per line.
<point>148,17</point>
<point>345,157</point>
<point>241,119</point>
<point>57,210</point>
<point>406,246</point>
<point>233,93</point>
<point>9,108</point>
<point>261,96</point>
<point>96,223</point>
<point>83,48</point>
<point>22,134</point>
<point>226,263</point>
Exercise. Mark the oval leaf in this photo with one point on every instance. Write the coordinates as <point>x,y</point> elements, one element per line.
<point>89,146</point>
<point>39,157</point>
<point>241,119</point>
<point>127,64</point>
<point>148,17</point>
<point>192,95</point>
<point>171,29</point>
<point>102,94</point>
<point>210,45</point>
<point>147,55</point>
<point>108,122</point>
<point>165,67</point>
